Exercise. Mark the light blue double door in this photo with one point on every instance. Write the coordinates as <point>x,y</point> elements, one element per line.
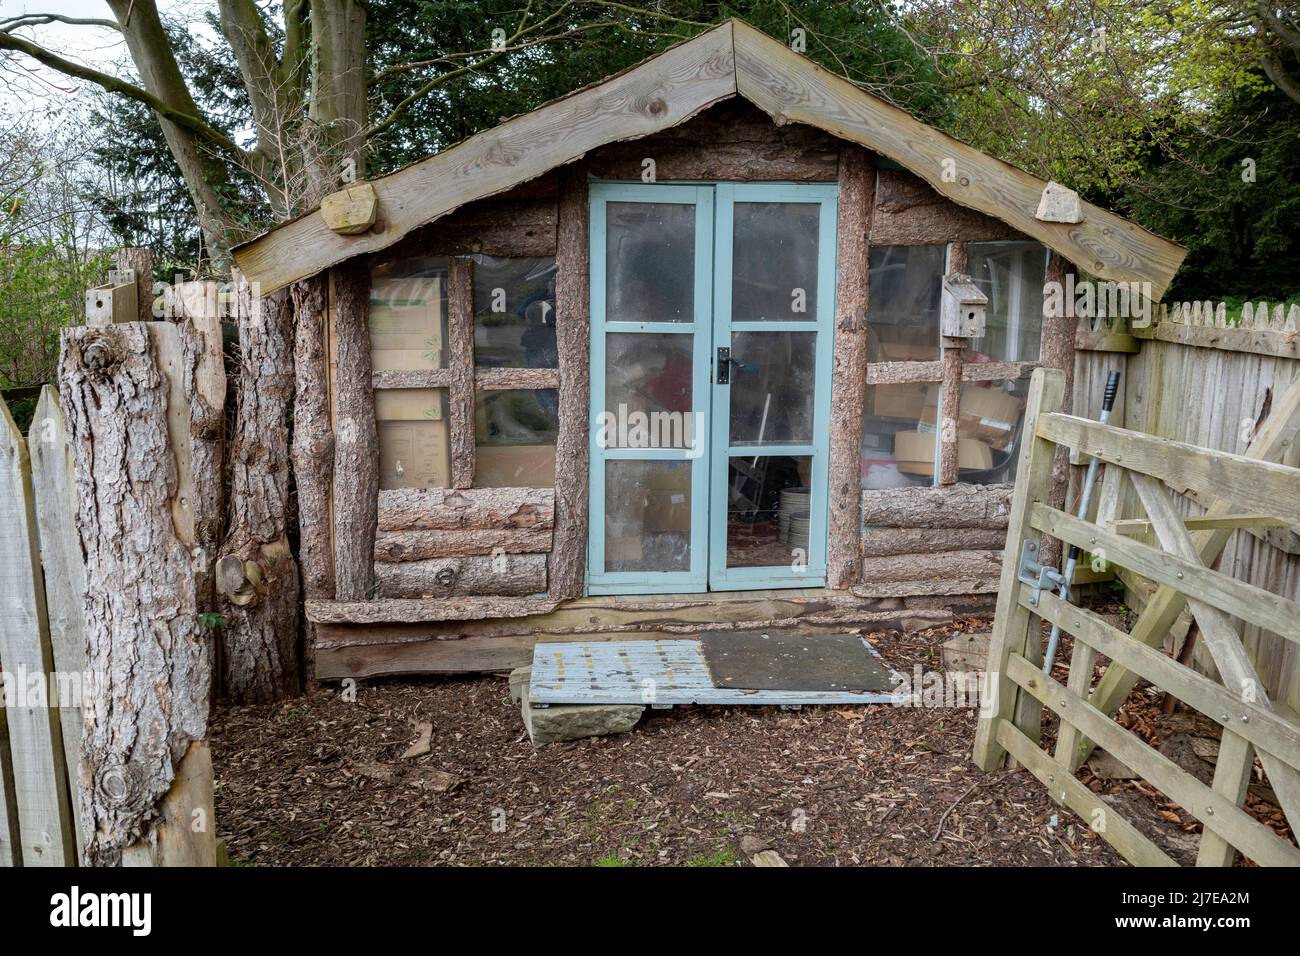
<point>711,342</point>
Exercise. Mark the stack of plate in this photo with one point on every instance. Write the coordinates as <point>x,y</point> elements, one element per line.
<point>798,536</point>
<point>794,504</point>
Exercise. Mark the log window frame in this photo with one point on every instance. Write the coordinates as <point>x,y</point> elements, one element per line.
<point>949,372</point>
<point>461,379</point>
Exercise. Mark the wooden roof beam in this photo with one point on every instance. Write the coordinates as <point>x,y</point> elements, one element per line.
<point>652,96</point>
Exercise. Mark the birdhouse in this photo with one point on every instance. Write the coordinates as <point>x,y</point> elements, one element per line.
<point>961,307</point>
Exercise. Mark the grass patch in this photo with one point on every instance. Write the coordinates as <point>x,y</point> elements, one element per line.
<point>717,858</point>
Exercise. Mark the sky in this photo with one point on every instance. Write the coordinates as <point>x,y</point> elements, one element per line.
<point>24,83</point>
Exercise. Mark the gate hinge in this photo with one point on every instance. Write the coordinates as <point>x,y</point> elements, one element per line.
<point>1038,576</point>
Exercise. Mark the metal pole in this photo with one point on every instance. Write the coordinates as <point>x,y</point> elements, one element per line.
<point>1085,502</point>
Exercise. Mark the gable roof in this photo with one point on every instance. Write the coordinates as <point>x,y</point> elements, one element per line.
<point>733,59</point>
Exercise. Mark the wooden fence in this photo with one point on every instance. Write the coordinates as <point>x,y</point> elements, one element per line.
<point>1245,490</point>
<point>106,658</point>
<point>1193,376</point>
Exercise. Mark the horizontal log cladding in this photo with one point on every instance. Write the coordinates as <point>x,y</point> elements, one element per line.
<point>950,506</point>
<point>879,542</point>
<point>421,545</point>
<point>514,575</point>
<point>945,572</point>
<point>411,509</point>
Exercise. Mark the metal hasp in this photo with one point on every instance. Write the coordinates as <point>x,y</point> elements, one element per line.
<point>724,366</point>
<point>1040,577</point>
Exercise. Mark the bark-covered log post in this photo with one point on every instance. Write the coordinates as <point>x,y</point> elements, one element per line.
<point>140,261</point>
<point>356,437</point>
<point>257,578</point>
<point>150,660</point>
<point>196,312</point>
<point>1058,352</point>
<point>313,449</point>
<point>849,378</point>
<point>573,333</point>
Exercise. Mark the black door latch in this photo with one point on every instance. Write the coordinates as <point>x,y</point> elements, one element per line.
<point>724,365</point>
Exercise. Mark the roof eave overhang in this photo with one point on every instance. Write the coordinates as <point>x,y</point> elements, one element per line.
<point>668,89</point>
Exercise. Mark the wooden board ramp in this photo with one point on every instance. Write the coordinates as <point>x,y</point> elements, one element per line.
<point>664,673</point>
<point>1240,489</point>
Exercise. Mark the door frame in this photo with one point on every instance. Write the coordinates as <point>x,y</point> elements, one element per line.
<point>813,573</point>
<point>711,322</point>
<point>599,581</point>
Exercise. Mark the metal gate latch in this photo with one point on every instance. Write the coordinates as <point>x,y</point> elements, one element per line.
<point>1038,576</point>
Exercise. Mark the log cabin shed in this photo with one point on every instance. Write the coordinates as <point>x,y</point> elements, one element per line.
<point>667,352</point>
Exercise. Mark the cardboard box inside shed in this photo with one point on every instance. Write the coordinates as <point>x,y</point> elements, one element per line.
<point>514,466</point>
<point>915,453</point>
<point>414,444</point>
<point>988,415</point>
<point>905,400</point>
<point>406,324</point>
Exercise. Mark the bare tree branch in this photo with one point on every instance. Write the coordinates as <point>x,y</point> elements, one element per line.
<point>113,84</point>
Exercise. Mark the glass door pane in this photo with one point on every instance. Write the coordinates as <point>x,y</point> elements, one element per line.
<point>651,309</point>
<point>773,306</point>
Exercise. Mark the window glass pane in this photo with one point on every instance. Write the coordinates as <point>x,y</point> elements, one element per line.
<point>408,314</point>
<point>648,371</point>
<point>772,387</point>
<point>414,450</point>
<point>649,262</point>
<point>903,311</point>
<point>774,261</point>
<point>648,390</point>
<point>1011,275</point>
<point>988,431</point>
<point>514,435</point>
<point>898,445</point>
<point>648,515</point>
<point>514,312</point>
<point>768,511</point>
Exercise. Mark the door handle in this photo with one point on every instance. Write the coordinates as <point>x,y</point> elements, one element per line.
<point>725,362</point>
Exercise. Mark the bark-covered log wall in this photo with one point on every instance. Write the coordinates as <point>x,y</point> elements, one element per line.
<point>456,543</point>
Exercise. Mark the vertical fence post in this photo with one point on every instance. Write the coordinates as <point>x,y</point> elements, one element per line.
<point>35,738</point>
<point>65,574</point>
<point>146,793</point>
<point>1014,626</point>
<point>11,853</point>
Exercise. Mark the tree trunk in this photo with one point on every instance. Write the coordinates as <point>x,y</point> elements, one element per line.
<point>338,97</point>
<point>313,449</point>
<point>356,442</point>
<point>205,173</point>
<point>143,638</point>
<point>257,579</point>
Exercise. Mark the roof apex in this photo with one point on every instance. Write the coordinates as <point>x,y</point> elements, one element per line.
<point>730,59</point>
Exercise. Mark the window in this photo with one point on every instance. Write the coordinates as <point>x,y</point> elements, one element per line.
<point>988,431</point>
<point>414,447</point>
<point>900,430</point>
<point>514,312</point>
<point>905,286</point>
<point>408,314</point>
<point>1012,276</point>
<point>408,333</point>
<point>514,435</point>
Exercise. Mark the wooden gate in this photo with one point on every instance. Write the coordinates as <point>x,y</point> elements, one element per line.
<point>1241,491</point>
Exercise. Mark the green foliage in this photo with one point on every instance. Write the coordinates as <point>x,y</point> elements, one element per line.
<point>860,41</point>
<point>42,290</point>
<point>1243,237</point>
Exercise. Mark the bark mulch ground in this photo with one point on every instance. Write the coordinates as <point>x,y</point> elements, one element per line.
<point>323,781</point>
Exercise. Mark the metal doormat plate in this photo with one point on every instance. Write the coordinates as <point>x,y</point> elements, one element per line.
<point>668,672</point>
<point>772,660</point>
